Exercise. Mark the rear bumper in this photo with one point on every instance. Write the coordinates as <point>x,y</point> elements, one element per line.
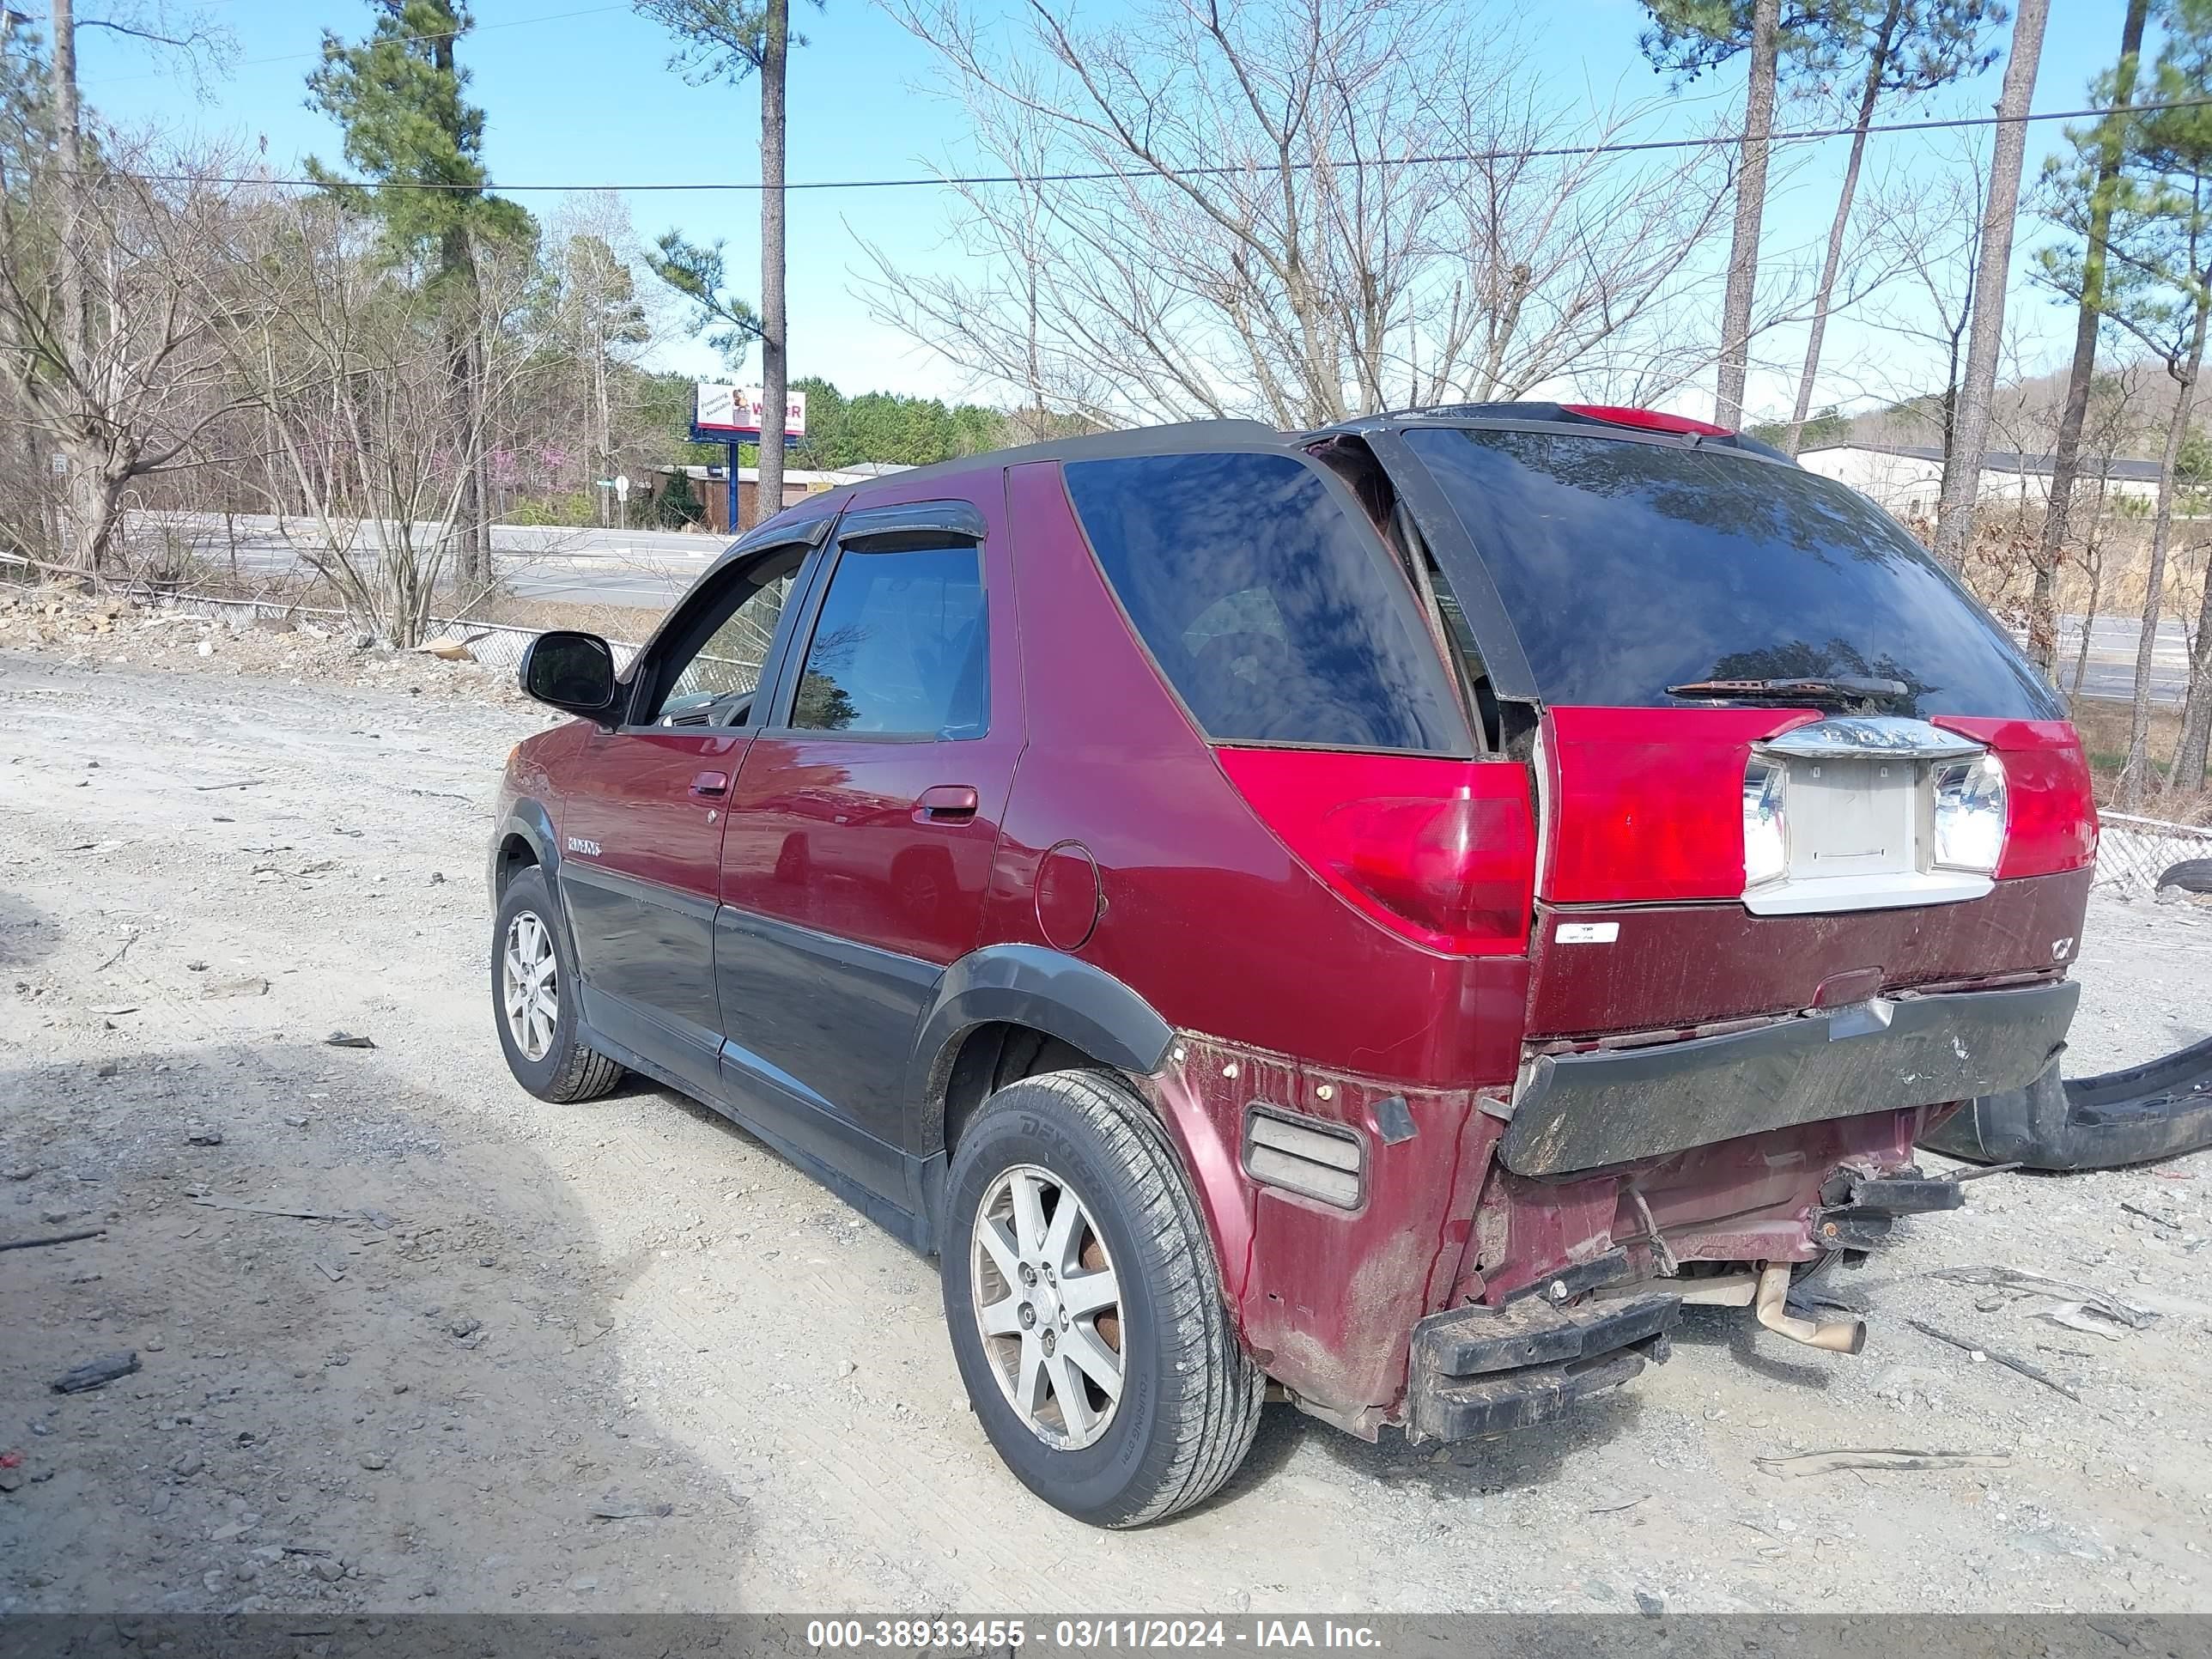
<point>1483,1370</point>
<point>1587,1110</point>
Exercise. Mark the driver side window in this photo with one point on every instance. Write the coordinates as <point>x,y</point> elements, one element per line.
<point>714,667</point>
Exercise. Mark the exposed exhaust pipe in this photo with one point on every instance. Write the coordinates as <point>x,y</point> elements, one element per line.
<point>1836,1336</point>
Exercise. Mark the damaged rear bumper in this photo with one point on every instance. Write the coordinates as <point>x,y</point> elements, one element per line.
<point>1480,1370</point>
<point>1583,1111</point>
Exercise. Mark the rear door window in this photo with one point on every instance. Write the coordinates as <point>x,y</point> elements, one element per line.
<point>1627,568</point>
<point>1274,617</point>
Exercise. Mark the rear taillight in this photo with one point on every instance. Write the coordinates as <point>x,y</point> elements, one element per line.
<point>1969,813</point>
<point>2050,810</point>
<point>1442,852</point>
<point>1765,832</point>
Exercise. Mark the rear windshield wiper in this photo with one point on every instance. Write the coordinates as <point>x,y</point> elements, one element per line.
<point>1837,687</point>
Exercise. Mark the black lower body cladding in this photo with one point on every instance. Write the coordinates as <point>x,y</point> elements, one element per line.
<point>1583,1111</point>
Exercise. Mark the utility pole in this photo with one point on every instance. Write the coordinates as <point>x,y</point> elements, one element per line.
<point>775,372</point>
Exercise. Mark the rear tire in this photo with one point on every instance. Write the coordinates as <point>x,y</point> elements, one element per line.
<point>528,935</point>
<point>1188,1396</point>
<point>2191,875</point>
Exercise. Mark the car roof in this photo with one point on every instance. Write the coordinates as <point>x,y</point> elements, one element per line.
<point>1191,435</point>
<point>1094,446</point>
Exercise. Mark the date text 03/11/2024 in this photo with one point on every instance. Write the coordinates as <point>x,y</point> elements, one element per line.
<point>921,1635</point>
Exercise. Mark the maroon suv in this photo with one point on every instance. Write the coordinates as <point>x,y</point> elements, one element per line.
<point>1388,914</point>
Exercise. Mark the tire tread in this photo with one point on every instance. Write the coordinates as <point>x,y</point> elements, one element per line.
<point>587,1075</point>
<point>1222,1388</point>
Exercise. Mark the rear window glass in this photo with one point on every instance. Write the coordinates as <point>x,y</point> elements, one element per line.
<point>1273,618</point>
<point>1627,567</point>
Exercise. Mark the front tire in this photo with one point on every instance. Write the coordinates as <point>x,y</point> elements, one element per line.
<point>534,998</point>
<point>1085,1306</point>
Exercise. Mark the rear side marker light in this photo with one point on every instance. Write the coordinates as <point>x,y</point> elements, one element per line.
<point>1306,1156</point>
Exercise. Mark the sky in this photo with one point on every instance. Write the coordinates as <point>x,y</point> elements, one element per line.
<point>580,95</point>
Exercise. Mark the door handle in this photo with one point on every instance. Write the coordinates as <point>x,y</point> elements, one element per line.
<point>947,802</point>
<point>711,785</point>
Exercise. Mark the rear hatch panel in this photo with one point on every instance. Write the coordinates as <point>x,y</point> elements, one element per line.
<point>1610,580</point>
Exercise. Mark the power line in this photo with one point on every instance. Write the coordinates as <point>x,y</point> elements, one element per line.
<point>930,181</point>
<point>440,34</point>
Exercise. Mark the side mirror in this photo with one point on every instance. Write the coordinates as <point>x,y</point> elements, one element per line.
<point>570,671</point>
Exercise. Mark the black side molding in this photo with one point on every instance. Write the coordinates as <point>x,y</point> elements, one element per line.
<point>1046,990</point>
<point>528,819</point>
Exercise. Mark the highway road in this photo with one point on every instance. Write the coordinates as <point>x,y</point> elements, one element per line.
<point>644,568</point>
<point>2111,668</point>
<point>648,568</point>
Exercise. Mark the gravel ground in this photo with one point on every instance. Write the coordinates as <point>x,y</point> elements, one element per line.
<point>619,1356</point>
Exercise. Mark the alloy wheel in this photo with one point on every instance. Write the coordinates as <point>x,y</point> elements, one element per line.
<point>530,985</point>
<point>1049,1306</point>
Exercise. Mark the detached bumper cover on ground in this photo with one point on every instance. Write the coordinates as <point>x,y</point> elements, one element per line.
<point>2161,1109</point>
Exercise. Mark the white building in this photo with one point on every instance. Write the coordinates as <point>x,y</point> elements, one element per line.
<point>1907,479</point>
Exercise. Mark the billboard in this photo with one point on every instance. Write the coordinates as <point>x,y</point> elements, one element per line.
<point>722,414</point>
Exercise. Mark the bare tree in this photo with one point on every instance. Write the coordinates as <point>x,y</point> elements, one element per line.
<point>110,348</point>
<point>1962,465</point>
<point>1932,232</point>
<point>1750,211</point>
<point>74,324</point>
<point>589,312</point>
<point>1262,243</point>
<point>2108,431</point>
<point>370,451</point>
<point>1910,47</point>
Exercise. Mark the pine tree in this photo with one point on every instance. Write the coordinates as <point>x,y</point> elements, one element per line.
<point>1962,465</point>
<point>2173,153</point>
<point>2094,180</point>
<point>1685,39</point>
<point>2157,287</point>
<point>399,96</point>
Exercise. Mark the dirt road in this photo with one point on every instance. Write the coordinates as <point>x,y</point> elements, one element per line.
<point>619,1356</point>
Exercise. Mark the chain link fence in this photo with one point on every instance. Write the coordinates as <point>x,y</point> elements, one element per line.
<point>2132,851</point>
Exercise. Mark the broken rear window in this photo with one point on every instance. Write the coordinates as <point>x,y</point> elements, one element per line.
<point>1627,568</point>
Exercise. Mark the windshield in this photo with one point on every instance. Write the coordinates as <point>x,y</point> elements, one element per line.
<point>1627,568</point>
